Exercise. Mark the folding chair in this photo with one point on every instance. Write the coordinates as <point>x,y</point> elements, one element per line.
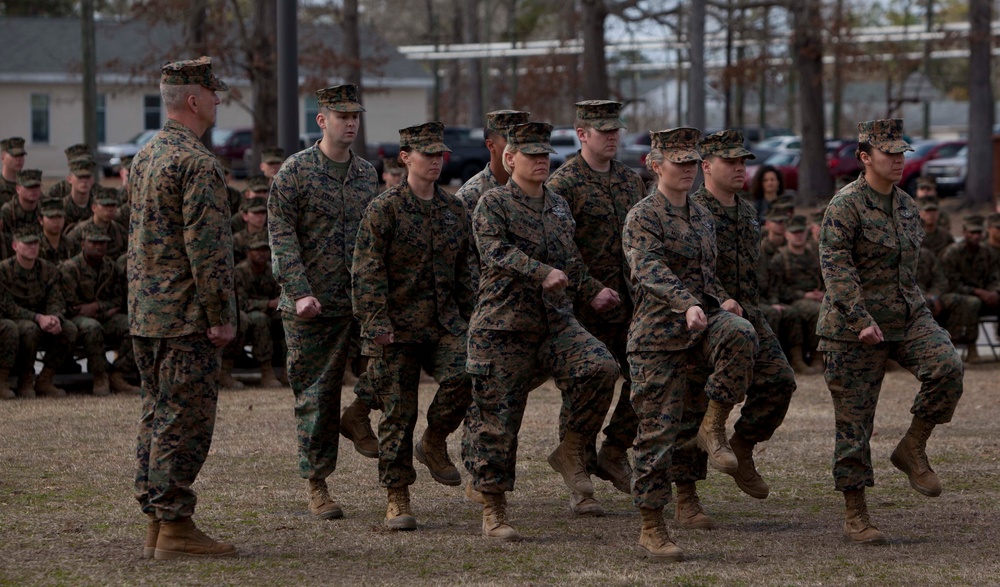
<point>993,342</point>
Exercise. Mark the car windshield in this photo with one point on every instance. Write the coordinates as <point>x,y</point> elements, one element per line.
<point>563,141</point>
<point>781,159</point>
<point>221,135</point>
<point>920,150</point>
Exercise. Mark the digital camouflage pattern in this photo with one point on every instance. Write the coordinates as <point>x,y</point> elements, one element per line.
<point>14,146</point>
<point>600,114</point>
<point>968,269</point>
<point>501,120</point>
<point>727,144</point>
<point>255,290</point>
<point>241,242</point>
<point>117,236</point>
<point>791,276</point>
<point>8,190</point>
<point>679,145</point>
<point>959,313</point>
<point>190,72</point>
<point>343,98</point>
<point>14,217</point>
<point>885,134</point>
<point>31,292</point>
<point>272,155</point>
<point>472,190</point>
<point>427,138</point>
<point>530,138</point>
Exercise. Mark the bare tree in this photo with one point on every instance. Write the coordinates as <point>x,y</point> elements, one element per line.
<point>979,184</point>
<point>807,49</point>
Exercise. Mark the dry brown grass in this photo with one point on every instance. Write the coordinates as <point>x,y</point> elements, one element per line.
<point>67,516</point>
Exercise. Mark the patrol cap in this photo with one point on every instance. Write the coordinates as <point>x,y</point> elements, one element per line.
<point>426,138</point>
<point>600,114</point>
<point>785,203</point>
<point>885,134</point>
<point>928,203</point>
<point>258,183</point>
<point>83,167</point>
<point>391,165</point>
<point>193,71</point>
<point>272,155</point>
<point>106,198</point>
<point>531,138</point>
<point>798,223</point>
<point>727,144</point>
<point>14,146</point>
<point>776,215</point>
<point>678,145</point>
<point>993,220</point>
<point>258,240</point>
<point>926,182</point>
<point>95,233</point>
<point>255,204</point>
<point>501,120</point>
<point>78,151</point>
<point>817,216</point>
<point>126,162</point>
<point>342,98</point>
<point>974,223</point>
<point>52,207</point>
<point>27,234</point>
<point>29,178</point>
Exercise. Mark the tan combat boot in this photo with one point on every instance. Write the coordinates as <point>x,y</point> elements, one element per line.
<point>432,451</point>
<point>712,438</point>
<point>321,505</point>
<point>857,526</point>
<point>613,466</point>
<point>226,380</point>
<point>102,387</point>
<point>798,363</point>
<point>472,495</point>
<point>584,505</point>
<point>688,512</point>
<point>182,539</point>
<point>267,378</point>
<point>655,540</point>
<point>910,457</point>
<point>152,533</point>
<point>746,475</point>
<point>5,391</point>
<point>495,518</point>
<point>567,460</point>
<point>120,385</point>
<point>356,427</point>
<point>26,384</point>
<point>45,386</point>
<point>397,514</point>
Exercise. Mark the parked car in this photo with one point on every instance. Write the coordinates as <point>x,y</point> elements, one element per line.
<point>786,163</point>
<point>779,144</point>
<point>922,153</point>
<point>950,173</point>
<point>633,150</point>
<point>109,157</point>
<point>565,142</point>
<point>843,163</point>
<point>233,143</point>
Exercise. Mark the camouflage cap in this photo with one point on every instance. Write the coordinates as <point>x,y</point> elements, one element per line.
<point>193,71</point>
<point>27,233</point>
<point>52,207</point>
<point>798,223</point>
<point>817,216</point>
<point>272,155</point>
<point>530,138</point>
<point>391,165</point>
<point>255,205</point>
<point>95,233</point>
<point>427,138</point>
<point>776,215</point>
<point>993,220</point>
<point>974,223</point>
<point>258,183</point>
<point>600,114</point>
<point>82,167</point>
<point>258,240</point>
<point>929,203</point>
<point>678,145</point>
<point>785,201</point>
<point>29,178</point>
<point>501,120</point>
<point>926,182</point>
<point>727,144</point>
<point>340,98</point>
<point>106,198</point>
<point>78,151</point>
<point>126,162</point>
<point>885,134</point>
<point>14,146</point>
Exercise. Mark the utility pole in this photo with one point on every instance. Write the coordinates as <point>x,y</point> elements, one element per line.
<point>89,74</point>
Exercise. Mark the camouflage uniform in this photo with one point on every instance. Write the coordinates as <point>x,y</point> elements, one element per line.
<point>785,323</point>
<point>938,240</point>
<point>959,313</point>
<point>412,280</point>
<point>498,121</point>
<point>968,269</point>
<point>13,216</point>
<point>180,283</point>
<point>313,219</point>
<point>672,254</point>
<point>791,275</point>
<point>254,291</point>
<point>241,242</point>
<point>517,330</point>
<point>8,190</point>
<point>64,250</point>
<point>599,203</point>
<point>84,284</point>
<point>13,146</point>
<point>868,255</point>
<point>117,234</point>
<point>9,333</point>
<point>257,189</point>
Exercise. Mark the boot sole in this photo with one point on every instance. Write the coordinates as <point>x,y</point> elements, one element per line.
<point>603,473</point>
<point>402,523</point>
<point>728,470</point>
<point>166,555</point>
<point>511,538</point>
<point>901,465</point>
<point>329,515</point>
<point>357,447</point>
<point>750,491</point>
<point>418,451</point>
<point>588,489</point>
<point>870,542</point>
<point>662,558</point>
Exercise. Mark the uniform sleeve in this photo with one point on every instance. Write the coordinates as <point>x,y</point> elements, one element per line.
<point>939,281</point>
<point>286,252</point>
<point>55,302</point>
<point>208,241</point>
<point>841,228</point>
<point>993,267</point>
<point>67,281</point>
<point>951,259</point>
<point>643,246</point>
<point>496,250</point>
<point>370,281</point>
<point>466,274</point>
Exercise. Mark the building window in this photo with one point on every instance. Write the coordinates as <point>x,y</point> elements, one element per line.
<point>102,118</point>
<point>151,112</point>
<point>40,118</point>
<point>312,109</point>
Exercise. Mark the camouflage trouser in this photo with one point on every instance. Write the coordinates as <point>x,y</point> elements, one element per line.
<point>808,311</point>
<point>504,368</point>
<point>854,373</point>
<point>768,395</point>
<point>57,347</point>
<point>258,334</point>
<point>786,324</point>
<point>8,343</point>
<point>661,383</point>
<point>960,316</point>
<point>620,431</point>
<point>317,357</point>
<point>94,335</point>
<point>180,390</point>
<point>396,376</point>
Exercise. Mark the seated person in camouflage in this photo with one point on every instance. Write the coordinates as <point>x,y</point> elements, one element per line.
<point>258,294</point>
<point>8,343</point>
<point>815,225</point>
<point>796,280</point>
<point>257,189</point>
<point>682,316</point>
<point>783,319</point>
<point>392,172</point>
<point>254,215</point>
<point>123,213</point>
<point>958,313</point>
<point>927,188</point>
<point>271,159</point>
<point>11,163</point>
<point>993,234</point>
<point>233,195</point>
<point>94,297</point>
<point>104,208</point>
<point>39,312</point>
<point>23,211</point>
<point>974,269</point>
<point>412,294</point>
<point>81,190</point>
<point>936,238</point>
<point>56,248</point>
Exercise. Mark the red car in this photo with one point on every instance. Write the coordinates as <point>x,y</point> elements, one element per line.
<point>922,153</point>
<point>786,163</point>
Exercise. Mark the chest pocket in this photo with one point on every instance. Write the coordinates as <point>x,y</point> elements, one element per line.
<point>527,234</point>
<point>678,251</point>
<point>600,208</point>
<point>881,236</point>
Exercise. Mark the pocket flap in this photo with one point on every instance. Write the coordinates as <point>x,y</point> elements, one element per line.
<point>477,366</point>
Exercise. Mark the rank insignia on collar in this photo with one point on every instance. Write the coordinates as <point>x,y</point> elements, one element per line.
<point>905,213</point>
<point>559,212</point>
<point>449,217</point>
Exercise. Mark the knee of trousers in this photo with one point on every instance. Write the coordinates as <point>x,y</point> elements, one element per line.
<point>88,329</point>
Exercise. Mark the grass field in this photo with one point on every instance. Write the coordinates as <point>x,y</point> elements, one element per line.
<point>67,516</point>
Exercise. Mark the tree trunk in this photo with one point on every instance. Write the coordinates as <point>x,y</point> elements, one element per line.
<point>264,79</point>
<point>696,75</point>
<point>474,88</point>
<point>595,67</point>
<point>979,184</point>
<point>352,53</point>
<point>194,28</point>
<point>807,44</point>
